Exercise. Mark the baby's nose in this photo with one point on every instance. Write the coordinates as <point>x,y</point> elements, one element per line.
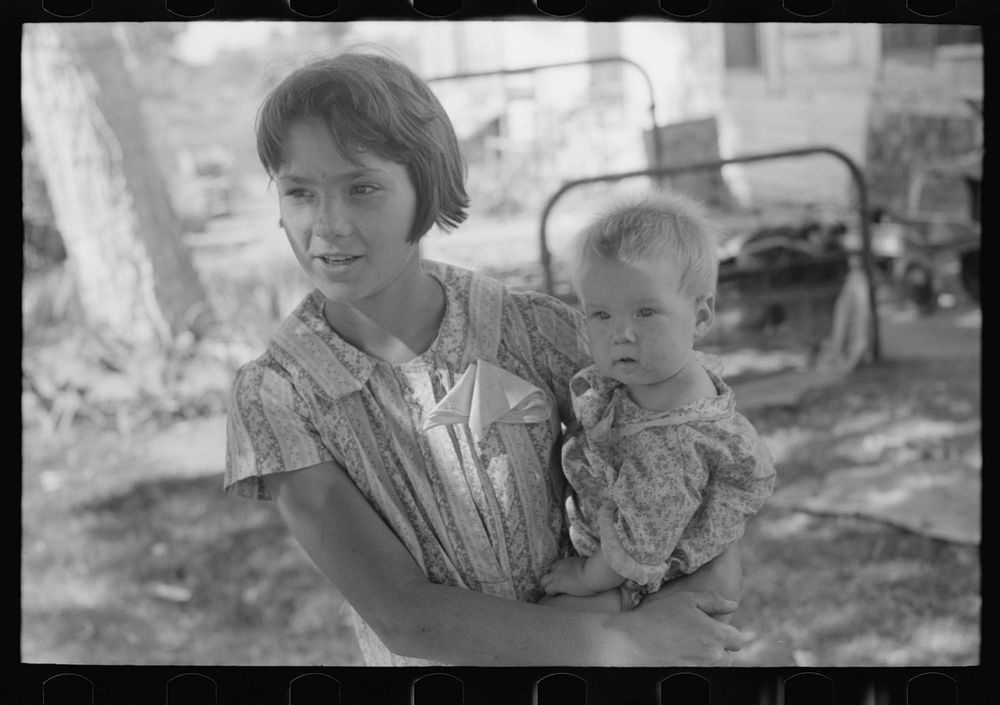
<point>623,332</point>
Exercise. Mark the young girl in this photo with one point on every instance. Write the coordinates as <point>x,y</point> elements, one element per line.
<point>431,502</point>
<point>664,470</point>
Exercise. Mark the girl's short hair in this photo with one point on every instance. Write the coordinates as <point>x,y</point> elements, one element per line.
<point>660,224</point>
<point>371,100</point>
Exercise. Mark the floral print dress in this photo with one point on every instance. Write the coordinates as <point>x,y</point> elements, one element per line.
<point>660,492</point>
<point>477,506</point>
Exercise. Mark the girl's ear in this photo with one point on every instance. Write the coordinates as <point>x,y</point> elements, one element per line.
<point>704,314</point>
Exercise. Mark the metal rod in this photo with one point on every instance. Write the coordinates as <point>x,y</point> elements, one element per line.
<point>655,133</point>
<point>856,174</point>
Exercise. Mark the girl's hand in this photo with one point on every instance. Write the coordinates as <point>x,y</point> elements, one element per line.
<point>567,578</point>
<point>685,627</point>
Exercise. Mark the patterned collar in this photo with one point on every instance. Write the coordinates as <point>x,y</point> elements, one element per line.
<point>308,347</point>
<point>602,403</point>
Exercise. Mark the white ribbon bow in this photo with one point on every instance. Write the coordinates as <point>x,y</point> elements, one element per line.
<point>487,393</point>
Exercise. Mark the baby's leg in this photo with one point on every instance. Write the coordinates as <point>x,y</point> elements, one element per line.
<point>722,575</point>
<point>607,601</point>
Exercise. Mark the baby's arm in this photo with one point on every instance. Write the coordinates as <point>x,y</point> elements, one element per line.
<point>741,478</point>
<point>581,576</point>
<point>653,504</point>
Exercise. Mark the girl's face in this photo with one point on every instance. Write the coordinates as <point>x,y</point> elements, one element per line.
<point>347,223</point>
<point>641,325</point>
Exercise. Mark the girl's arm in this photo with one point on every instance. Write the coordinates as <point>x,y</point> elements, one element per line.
<point>363,558</point>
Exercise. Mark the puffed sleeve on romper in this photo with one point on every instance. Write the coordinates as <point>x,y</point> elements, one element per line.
<point>654,496</point>
<point>268,429</point>
<point>741,478</point>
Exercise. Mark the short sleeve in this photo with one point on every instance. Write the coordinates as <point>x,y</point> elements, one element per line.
<point>268,430</point>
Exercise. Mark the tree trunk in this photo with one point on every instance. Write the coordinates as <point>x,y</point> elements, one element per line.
<point>135,278</point>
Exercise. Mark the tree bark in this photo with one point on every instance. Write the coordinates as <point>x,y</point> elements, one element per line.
<point>135,278</point>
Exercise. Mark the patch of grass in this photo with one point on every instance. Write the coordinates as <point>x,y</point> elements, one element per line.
<point>896,411</point>
<point>844,591</point>
<point>851,592</point>
<point>170,571</point>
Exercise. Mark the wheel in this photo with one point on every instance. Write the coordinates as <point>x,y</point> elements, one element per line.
<point>918,286</point>
<point>969,270</point>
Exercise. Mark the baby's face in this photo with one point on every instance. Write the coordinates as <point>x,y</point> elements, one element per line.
<point>641,325</point>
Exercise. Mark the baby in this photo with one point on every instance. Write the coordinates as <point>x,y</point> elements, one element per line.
<point>664,472</point>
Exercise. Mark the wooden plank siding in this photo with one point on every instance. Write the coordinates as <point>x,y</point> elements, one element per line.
<point>759,119</point>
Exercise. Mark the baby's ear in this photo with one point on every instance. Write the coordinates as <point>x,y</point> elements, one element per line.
<point>704,315</point>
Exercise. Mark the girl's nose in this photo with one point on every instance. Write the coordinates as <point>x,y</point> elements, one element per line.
<point>331,221</point>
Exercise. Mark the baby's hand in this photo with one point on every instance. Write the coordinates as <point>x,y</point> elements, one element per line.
<point>566,578</point>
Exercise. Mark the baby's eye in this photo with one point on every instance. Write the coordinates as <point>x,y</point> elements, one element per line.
<point>646,312</point>
<point>600,315</point>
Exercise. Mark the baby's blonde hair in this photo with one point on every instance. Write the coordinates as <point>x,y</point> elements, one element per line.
<point>659,224</point>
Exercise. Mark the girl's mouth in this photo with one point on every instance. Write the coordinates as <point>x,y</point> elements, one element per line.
<point>337,260</point>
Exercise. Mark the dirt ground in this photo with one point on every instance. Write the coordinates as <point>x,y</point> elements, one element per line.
<point>917,411</point>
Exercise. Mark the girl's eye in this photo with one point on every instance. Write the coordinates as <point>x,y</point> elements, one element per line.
<point>296,193</point>
<point>363,189</point>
